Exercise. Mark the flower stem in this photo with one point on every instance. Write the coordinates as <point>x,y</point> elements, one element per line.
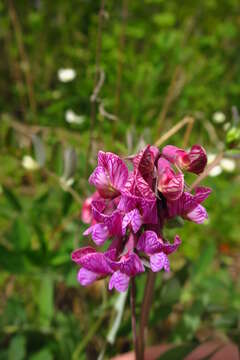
<point>133,317</point>
<point>145,310</point>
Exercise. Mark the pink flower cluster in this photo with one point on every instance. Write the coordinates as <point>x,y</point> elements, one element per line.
<point>130,208</point>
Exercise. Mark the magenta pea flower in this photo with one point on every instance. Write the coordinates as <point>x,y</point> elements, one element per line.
<point>110,175</point>
<point>189,206</point>
<point>130,208</point>
<point>194,160</point>
<point>94,265</point>
<point>157,250</point>
<point>86,214</point>
<point>169,184</point>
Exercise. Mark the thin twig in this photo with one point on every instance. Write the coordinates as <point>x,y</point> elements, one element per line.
<point>15,71</point>
<point>174,89</point>
<point>186,120</point>
<point>178,79</point>
<point>65,187</point>
<point>98,74</point>
<point>106,114</point>
<point>188,132</point>
<point>23,55</point>
<point>92,331</point>
<point>133,317</point>
<point>96,90</point>
<point>122,42</point>
<point>145,310</point>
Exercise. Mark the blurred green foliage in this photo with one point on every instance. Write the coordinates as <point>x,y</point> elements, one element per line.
<point>161,61</point>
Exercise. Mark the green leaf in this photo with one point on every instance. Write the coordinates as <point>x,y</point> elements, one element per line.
<point>20,235</point>
<point>44,354</point>
<point>171,292</point>
<point>17,349</point>
<point>57,158</point>
<point>46,300</point>
<point>12,199</point>
<point>204,260</point>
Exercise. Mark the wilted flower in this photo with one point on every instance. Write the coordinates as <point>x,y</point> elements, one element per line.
<point>130,208</point>
<point>66,75</point>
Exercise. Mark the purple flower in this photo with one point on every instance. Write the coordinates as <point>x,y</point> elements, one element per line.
<point>94,265</point>
<point>110,175</point>
<point>130,208</point>
<point>194,160</point>
<point>169,184</point>
<point>109,221</point>
<point>129,265</point>
<point>188,206</point>
<point>157,250</point>
<point>144,163</point>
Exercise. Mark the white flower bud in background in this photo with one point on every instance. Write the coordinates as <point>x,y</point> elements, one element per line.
<point>228,165</point>
<point>72,118</point>
<point>226,126</point>
<point>29,163</point>
<point>66,75</point>
<point>215,171</point>
<point>219,117</point>
<point>211,157</point>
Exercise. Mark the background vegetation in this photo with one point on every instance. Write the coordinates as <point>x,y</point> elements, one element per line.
<point>138,67</point>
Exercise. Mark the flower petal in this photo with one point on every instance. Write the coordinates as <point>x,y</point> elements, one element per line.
<point>115,168</point>
<point>171,153</point>
<point>132,218</point>
<point>100,233</point>
<point>129,264</point>
<point>148,210</point>
<point>86,277</point>
<point>159,261</point>
<point>78,254</point>
<point>149,243</point>
<point>119,281</point>
<point>144,161</point>
<point>198,215</point>
<point>198,159</point>
<point>169,248</point>
<point>114,223</point>
<point>142,188</point>
<point>194,161</point>
<point>132,265</point>
<point>91,260</point>
<point>202,193</point>
<point>185,204</point>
